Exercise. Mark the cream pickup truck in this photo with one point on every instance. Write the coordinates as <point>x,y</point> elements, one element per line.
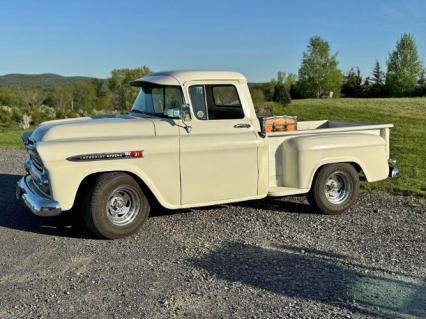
<point>192,138</point>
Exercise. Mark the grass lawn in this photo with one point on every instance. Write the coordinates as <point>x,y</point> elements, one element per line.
<point>408,137</point>
<point>10,137</point>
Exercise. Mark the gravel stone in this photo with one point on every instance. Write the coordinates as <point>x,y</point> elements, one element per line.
<point>272,258</point>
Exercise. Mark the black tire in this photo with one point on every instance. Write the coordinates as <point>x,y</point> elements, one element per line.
<point>98,208</point>
<point>326,185</point>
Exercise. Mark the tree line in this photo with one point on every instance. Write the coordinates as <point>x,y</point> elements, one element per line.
<point>320,76</point>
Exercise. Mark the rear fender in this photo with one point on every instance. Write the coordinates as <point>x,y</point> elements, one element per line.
<point>302,156</point>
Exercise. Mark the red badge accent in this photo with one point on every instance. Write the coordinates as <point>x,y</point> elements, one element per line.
<point>136,154</point>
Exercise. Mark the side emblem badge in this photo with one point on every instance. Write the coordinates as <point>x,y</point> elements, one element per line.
<point>106,156</point>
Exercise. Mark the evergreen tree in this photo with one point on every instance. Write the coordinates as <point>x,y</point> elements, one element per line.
<point>377,88</point>
<point>281,93</point>
<point>421,85</point>
<point>319,70</point>
<point>352,86</point>
<point>378,76</point>
<point>422,78</point>
<point>404,67</point>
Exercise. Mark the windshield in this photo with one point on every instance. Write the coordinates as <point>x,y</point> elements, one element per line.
<point>165,101</point>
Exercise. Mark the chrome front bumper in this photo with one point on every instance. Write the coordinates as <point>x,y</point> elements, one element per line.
<point>38,204</point>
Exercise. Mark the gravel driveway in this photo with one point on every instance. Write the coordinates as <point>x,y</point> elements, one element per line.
<point>268,258</point>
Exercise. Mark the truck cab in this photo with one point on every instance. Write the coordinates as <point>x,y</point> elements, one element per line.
<point>219,143</point>
<point>192,138</point>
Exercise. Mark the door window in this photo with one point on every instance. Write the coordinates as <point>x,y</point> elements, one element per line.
<point>216,102</point>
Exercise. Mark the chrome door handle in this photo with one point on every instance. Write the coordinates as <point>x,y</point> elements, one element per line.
<point>242,125</point>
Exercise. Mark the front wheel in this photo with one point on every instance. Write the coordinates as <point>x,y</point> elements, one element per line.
<point>116,207</point>
<point>335,188</point>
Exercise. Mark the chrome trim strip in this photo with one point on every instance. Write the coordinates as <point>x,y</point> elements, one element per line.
<point>40,206</point>
<point>105,156</point>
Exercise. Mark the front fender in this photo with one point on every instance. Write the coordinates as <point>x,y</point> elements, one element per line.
<point>65,182</point>
<point>303,155</point>
<point>158,169</point>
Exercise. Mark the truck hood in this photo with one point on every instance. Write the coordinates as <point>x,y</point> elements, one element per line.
<point>94,127</point>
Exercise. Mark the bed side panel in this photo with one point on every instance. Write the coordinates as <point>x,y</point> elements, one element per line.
<point>302,156</point>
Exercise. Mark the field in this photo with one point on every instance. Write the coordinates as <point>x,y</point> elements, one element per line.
<point>408,137</point>
<point>10,137</point>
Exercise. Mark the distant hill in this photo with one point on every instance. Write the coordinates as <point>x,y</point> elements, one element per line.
<point>46,80</point>
<point>50,80</point>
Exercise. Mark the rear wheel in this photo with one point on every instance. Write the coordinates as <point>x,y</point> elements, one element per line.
<point>335,188</point>
<point>116,207</point>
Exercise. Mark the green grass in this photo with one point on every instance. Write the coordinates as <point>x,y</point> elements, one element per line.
<point>10,137</point>
<point>408,137</point>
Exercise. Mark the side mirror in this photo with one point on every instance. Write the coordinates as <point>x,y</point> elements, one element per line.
<point>185,116</point>
<point>185,113</point>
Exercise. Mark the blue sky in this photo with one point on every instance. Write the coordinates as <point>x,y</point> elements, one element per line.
<point>258,38</point>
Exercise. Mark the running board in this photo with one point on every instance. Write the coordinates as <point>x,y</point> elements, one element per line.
<point>285,191</point>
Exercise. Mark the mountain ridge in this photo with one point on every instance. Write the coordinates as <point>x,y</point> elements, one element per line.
<point>42,80</point>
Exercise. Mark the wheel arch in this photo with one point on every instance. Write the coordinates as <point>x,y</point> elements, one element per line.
<point>154,197</point>
<point>354,163</point>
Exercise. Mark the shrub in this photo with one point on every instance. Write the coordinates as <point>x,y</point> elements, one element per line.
<point>25,121</point>
<point>49,113</point>
<point>281,94</point>
<point>37,116</point>
<point>5,115</point>
<point>6,109</point>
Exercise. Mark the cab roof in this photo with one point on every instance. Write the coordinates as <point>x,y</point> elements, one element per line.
<point>181,76</point>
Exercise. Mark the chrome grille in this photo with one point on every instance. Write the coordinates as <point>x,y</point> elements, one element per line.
<point>39,177</point>
<point>34,157</point>
<point>36,161</point>
<point>36,169</point>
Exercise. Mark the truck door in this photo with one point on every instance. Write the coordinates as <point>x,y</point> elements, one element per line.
<point>219,155</point>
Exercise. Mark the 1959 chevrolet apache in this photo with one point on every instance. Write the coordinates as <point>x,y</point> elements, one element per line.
<point>192,138</point>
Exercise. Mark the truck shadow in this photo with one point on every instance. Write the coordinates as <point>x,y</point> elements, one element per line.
<point>14,215</point>
<point>288,204</point>
<point>317,276</point>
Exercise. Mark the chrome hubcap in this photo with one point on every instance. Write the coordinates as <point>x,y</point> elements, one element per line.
<point>338,187</point>
<point>123,206</point>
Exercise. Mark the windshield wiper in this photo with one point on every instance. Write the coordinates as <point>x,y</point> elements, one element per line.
<point>141,112</point>
<point>162,115</point>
